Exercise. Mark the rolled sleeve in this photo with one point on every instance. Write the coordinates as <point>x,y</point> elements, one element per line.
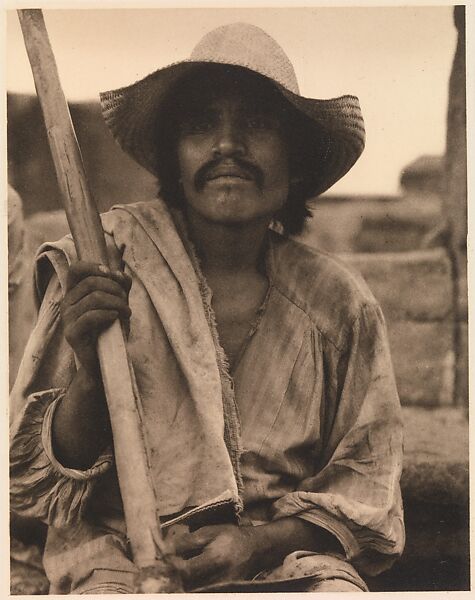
<point>355,494</point>
<point>40,486</point>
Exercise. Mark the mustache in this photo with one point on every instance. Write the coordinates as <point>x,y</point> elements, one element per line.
<point>247,168</point>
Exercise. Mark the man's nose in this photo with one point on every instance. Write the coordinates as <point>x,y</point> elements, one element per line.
<point>229,140</point>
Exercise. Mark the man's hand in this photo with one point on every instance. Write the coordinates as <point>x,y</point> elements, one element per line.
<point>217,553</point>
<point>229,552</point>
<point>95,297</point>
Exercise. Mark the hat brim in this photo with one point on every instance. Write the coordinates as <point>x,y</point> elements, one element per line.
<point>131,114</point>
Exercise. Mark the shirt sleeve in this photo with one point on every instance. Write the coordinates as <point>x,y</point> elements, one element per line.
<point>355,492</point>
<point>41,486</point>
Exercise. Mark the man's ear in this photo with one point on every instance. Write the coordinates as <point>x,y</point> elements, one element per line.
<point>291,217</point>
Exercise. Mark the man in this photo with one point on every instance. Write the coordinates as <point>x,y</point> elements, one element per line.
<point>269,405</point>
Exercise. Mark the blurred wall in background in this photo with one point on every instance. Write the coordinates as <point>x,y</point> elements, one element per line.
<point>113,176</point>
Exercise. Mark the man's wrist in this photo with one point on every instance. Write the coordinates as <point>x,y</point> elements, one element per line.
<point>275,540</point>
<point>90,379</point>
<point>81,426</point>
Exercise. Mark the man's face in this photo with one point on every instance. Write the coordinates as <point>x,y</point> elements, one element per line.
<point>232,156</point>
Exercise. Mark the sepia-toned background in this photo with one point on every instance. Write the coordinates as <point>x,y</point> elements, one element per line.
<point>399,216</point>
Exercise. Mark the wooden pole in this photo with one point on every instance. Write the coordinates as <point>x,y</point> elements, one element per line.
<point>131,458</point>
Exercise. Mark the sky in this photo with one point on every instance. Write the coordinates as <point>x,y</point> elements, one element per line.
<point>397,60</point>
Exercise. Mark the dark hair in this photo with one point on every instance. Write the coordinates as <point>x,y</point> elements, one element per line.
<point>299,132</point>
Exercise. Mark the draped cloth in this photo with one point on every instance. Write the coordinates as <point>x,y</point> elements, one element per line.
<point>308,425</point>
<point>177,368</point>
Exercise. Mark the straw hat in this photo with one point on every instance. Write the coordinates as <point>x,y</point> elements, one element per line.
<point>131,112</point>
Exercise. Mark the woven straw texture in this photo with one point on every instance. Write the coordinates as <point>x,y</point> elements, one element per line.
<point>131,112</point>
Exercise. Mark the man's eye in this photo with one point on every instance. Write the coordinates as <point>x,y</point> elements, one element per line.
<point>196,126</point>
<point>261,122</point>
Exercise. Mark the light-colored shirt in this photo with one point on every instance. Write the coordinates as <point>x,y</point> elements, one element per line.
<point>320,433</point>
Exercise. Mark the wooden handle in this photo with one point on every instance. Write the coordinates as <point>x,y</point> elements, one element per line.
<point>130,453</point>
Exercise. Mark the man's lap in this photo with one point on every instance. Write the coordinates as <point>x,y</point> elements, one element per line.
<point>302,571</point>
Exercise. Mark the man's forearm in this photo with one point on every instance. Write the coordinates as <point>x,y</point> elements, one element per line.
<point>81,426</point>
<point>281,537</point>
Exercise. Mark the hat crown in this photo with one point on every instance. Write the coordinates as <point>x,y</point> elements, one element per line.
<point>248,46</point>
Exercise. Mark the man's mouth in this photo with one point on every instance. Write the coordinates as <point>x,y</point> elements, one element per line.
<point>228,171</point>
<point>232,171</point>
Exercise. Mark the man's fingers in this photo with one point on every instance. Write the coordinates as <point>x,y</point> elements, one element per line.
<point>81,269</point>
<point>200,569</point>
<point>97,300</point>
<point>124,280</point>
<point>91,284</point>
<point>95,297</point>
<point>93,322</point>
<point>188,543</point>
